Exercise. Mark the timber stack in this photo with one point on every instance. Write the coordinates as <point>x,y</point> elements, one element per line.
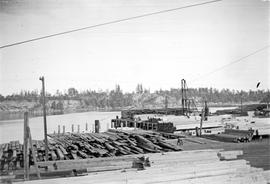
<point>232,135</point>
<point>153,124</point>
<point>75,146</point>
<point>197,166</point>
<point>129,114</point>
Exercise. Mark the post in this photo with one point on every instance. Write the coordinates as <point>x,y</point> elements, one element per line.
<point>166,104</point>
<point>72,128</point>
<point>121,125</point>
<point>33,153</point>
<point>25,147</point>
<point>64,129</point>
<point>78,128</point>
<point>86,127</point>
<point>183,82</point>
<point>202,117</point>
<point>241,103</point>
<point>44,117</point>
<point>97,126</point>
<point>58,130</point>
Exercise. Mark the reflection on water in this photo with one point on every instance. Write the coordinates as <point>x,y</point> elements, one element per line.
<point>13,129</point>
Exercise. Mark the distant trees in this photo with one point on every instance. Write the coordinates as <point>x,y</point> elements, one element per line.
<point>116,98</point>
<point>2,98</point>
<point>72,92</point>
<point>139,89</point>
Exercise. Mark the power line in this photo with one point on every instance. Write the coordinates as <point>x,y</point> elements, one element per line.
<point>231,63</point>
<point>106,23</point>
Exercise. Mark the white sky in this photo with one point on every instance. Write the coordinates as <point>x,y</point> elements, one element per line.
<point>157,51</point>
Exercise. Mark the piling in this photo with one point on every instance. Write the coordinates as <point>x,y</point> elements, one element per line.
<point>58,129</point>
<point>86,127</point>
<point>72,128</point>
<point>97,126</point>
<point>25,147</point>
<point>121,124</point>
<point>64,129</point>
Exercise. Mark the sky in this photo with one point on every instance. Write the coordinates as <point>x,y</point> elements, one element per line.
<point>156,51</point>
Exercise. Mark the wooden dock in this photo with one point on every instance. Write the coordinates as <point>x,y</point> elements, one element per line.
<point>152,124</point>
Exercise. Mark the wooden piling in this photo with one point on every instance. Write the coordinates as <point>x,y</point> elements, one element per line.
<point>25,148</point>
<point>64,129</point>
<point>72,128</point>
<point>86,127</point>
<point>112,124</point>
<point>58,129</point>
<point>33,153</point>
<point>97,126</point>
<point>121,124</point>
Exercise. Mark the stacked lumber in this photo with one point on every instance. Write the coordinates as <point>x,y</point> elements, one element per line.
<point>74,146</point>
<point>11,155</point>
<point>198,166</point>
<point>169,111</point>
<point>232,135</point>
<point>166,127</point>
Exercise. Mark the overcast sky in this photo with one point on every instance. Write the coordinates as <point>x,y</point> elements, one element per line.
<point>157,51</point>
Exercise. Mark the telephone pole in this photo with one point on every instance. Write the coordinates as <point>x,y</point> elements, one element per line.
<point>44,117</point>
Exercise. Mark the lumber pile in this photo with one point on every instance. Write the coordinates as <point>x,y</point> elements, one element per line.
<point>75,146</point>
<point>198,166</point>
<point>132,112</point>
<point>232,135</point>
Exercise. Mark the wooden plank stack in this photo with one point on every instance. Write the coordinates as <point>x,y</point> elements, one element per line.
<point>198,166</point>
<point>87,145</point>
<point>232,135</point>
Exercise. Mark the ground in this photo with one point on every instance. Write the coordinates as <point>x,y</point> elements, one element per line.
<point>257,152</point>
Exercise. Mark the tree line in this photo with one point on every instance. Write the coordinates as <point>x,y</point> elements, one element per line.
<point>140,97</point>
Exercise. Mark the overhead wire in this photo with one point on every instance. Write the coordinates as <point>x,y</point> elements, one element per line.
<point>106,23</point>
<point>231,63</point>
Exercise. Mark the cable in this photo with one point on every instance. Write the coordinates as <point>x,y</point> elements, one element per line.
<point>233,62</point>
<point>106,23</point>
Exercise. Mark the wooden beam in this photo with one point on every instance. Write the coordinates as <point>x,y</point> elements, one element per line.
<point>25,147</point>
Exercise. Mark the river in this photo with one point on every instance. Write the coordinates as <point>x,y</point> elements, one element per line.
<point>11,130</point>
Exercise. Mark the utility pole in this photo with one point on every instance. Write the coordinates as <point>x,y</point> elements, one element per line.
<point>241,94</point>
<point>202,117</point>
<point>44,117</point>
<point>183,86</point>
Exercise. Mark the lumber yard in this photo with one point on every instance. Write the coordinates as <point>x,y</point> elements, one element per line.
<point>170,145</point>
<point>77,146</point>
<point>197,166</point>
